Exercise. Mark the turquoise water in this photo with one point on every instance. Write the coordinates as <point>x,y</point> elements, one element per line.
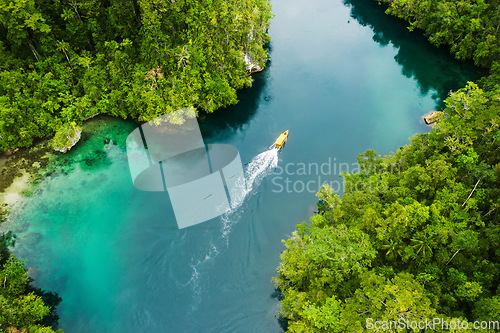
<point>343,78</point>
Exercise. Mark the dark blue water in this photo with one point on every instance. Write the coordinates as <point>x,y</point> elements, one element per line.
<point>343,78</point>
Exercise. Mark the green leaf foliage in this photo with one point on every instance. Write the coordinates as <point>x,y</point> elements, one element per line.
<point>22,308</point>
<point>469,27</point>
<point>415,235</point>
<point>430,211</point>
<point>65,61</point>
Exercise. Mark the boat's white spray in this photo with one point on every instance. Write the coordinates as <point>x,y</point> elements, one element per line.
<point>256,170</point>
<point>260,166</point>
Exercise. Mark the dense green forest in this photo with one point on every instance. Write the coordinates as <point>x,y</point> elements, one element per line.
<point>23,308</point>
<point>471,28</point>
<point>65,61</point>
<point>417,233</point>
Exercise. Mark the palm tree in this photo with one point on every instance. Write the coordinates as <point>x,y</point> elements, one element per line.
<point>64,47</point>
<point>393,248</point>
<point>423,246</point>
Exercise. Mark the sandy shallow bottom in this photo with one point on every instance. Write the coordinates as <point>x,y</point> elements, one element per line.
<point>22,170</point>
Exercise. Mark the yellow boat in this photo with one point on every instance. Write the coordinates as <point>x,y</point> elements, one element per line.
<point>280,141</point>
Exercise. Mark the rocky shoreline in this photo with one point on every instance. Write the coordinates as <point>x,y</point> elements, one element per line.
<point>19,169</point>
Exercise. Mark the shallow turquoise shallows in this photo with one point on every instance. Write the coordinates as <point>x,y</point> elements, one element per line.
<point>343,78</point>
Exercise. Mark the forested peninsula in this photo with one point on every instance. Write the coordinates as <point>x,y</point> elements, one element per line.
<point>63,62</point>
<point>416,234</point>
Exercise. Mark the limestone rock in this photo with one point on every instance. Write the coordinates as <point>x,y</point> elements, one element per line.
<point>432,117</point>
<point>66,137</point>
<point>251,67</point>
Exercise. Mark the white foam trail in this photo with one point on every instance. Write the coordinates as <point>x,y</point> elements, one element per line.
<point>258,168</point>
<point>194,281</point>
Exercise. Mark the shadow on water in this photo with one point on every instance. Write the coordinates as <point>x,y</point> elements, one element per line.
<point>282,321</point>
<point>432,67</point>
<point>225,122</point>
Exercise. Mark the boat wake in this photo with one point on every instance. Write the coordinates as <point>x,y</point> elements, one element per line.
<point>256,170</point>
<point>260,166</point>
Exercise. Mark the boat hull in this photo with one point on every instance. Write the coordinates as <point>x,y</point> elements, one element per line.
<point>281,140</point>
